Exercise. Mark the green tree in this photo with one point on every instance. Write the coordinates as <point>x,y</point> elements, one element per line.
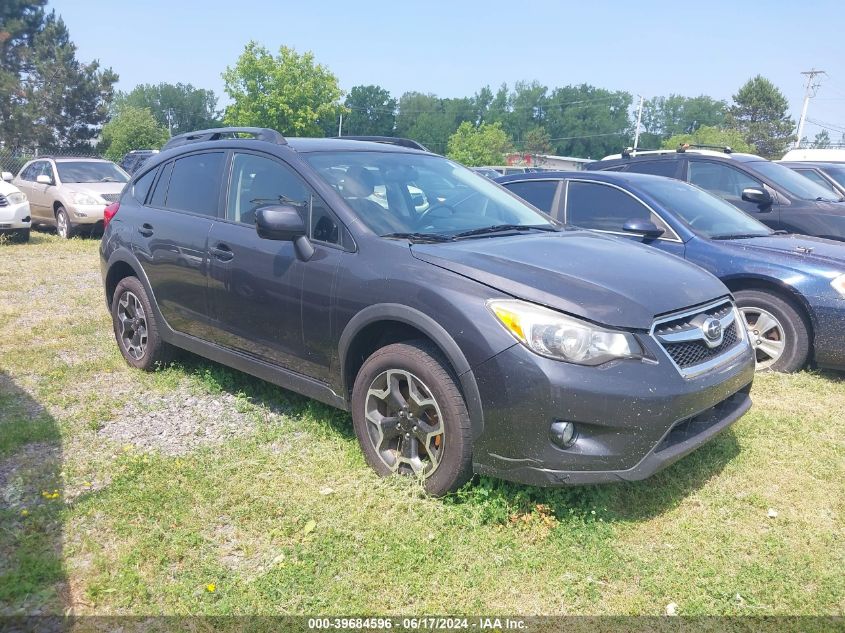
<point>178,107</point>
<point>676,114</point>
<point>48,98</point>
<point>707,135</point>
<point>132,128</point>
<point>537,141</point>
<point>371,112</point>
<point>486,144</point>
<point>759,113</point>
<point>821,140</point>
<point>288,92</point>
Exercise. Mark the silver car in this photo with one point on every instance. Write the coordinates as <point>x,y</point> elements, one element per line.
<point>70,193</point>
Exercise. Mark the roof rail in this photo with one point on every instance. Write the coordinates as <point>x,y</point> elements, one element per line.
<point>216,134</point>
<point>719,148</point>
<point>630,151</point>
<point>389,140</point>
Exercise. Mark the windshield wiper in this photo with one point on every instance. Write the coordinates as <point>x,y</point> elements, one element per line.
<point>739,236</point>
<point>503,228</point>
<point>419,237</point>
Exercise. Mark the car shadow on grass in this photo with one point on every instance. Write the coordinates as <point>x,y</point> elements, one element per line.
<point>620,502</point>
<point>32,574</point>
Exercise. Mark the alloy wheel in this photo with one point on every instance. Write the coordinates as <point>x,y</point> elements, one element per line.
<point>61,224</point>
<point>132,322</point>
<point>405,424</point>
<point>766,335</point>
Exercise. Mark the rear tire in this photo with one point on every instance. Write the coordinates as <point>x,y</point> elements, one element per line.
<point>410,417</point>
<point>135,327</point>
<point>777,331</point>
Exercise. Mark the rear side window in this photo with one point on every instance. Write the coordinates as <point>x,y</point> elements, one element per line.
<point>141,188</point>
<point>195,184</point>
<point>668,168</point>
<point>540,193</point>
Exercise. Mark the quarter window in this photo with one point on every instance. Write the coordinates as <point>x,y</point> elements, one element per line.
<point>540,193</point>
<point>603,208</point>
<point>160,192</point>
<point>194,183</point>
<point>721,179</point>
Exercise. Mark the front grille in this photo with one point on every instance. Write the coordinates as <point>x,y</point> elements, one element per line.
<point>4,202</point>
<point>692,353</point>
<point>110,197</point>
<point>698,424</point>
<point>684,340</point>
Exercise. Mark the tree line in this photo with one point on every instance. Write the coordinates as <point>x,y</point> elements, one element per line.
<point>51,101</point>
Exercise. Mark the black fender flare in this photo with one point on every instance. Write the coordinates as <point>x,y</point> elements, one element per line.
<point>433,330</point>
<point>125,256</point>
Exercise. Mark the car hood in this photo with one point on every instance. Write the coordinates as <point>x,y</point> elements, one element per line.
<point>800,247</point>
<point>7,188</point>
<point>95,188</point>
<point>600,278</point>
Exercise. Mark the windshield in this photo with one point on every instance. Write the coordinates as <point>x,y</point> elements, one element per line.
<point>396,193</point>
<point>793,182</point>
<point>705,213</point>
<point>837,173</point>
<point>90,171</point>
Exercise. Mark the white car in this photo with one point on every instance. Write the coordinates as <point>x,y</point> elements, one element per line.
<point>15,219</point>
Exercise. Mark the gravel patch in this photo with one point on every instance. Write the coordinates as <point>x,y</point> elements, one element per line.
<point>177,422</point>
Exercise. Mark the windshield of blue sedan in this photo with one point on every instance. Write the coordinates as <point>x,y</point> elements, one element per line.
<point>703,212</point>
<point>796,184</point>
<point>397,193</point>
<point>90,171</point>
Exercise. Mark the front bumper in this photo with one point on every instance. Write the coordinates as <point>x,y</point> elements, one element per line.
<point>829,332</point>
<point>633,417</point>
<point>86,213</point>
<point>15,217</point>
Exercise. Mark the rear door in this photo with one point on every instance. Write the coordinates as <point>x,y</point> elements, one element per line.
<point>267,302</point>
<point>172,245</point>
<point>604,207</point>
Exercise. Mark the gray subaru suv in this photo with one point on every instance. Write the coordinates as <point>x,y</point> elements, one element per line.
<point>463,329</point>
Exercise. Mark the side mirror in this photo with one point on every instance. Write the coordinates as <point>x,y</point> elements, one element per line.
<point>44,179</point>
<point>757,196</point>
<point>279,223</point>
<point>642,227</point>
<point>8,176</point>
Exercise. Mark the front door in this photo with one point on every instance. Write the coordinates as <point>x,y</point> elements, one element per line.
<point>266,301</point>
<point>604,207</point>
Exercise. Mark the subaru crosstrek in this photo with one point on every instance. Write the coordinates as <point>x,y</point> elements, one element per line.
<point>465,330</point>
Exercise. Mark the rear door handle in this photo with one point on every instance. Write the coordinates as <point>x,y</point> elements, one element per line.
<point>222,252</point>
<point>145,229</point>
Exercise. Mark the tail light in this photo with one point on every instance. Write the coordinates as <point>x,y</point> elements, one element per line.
<point>109,213</point>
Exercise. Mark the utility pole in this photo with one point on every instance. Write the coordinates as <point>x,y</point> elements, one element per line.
<point>170,121</point>
<point>809,92</point>
<point>639,119</point>
<point>340,125</point>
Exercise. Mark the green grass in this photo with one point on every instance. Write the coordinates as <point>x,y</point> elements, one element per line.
<point>286,518</point>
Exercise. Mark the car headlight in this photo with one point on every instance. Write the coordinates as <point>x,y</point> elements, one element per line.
<point>83,198</point>
<point>550,333</point>
<point>16,198</point>
<point>839,285</point>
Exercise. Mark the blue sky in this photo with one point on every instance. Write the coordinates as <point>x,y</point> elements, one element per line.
<point>454,48</point>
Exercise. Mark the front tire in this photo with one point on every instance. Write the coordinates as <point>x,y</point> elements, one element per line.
<point>777,331</point>
<point>135,327</point>
<point>410,417</point>
<point>64,228</point>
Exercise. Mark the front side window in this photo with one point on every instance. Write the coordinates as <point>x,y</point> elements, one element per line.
<point>837,173</point>
<point>257,182</point>
<point>817,178</point>
<point>90,171</point>
<point>195,183</point>
<point>721,179</point>
<point>601,207</point>
<point>540,193</point>
<point>395,193</point>
<point>793,182</point>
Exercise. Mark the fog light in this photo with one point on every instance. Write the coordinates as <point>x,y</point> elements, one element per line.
<point>563,433</point>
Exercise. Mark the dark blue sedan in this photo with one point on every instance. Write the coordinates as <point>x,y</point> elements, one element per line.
<point>790,288</point>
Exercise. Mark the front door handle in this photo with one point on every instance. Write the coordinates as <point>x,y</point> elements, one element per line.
<point>145,229</point>
<point>222,252</point>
